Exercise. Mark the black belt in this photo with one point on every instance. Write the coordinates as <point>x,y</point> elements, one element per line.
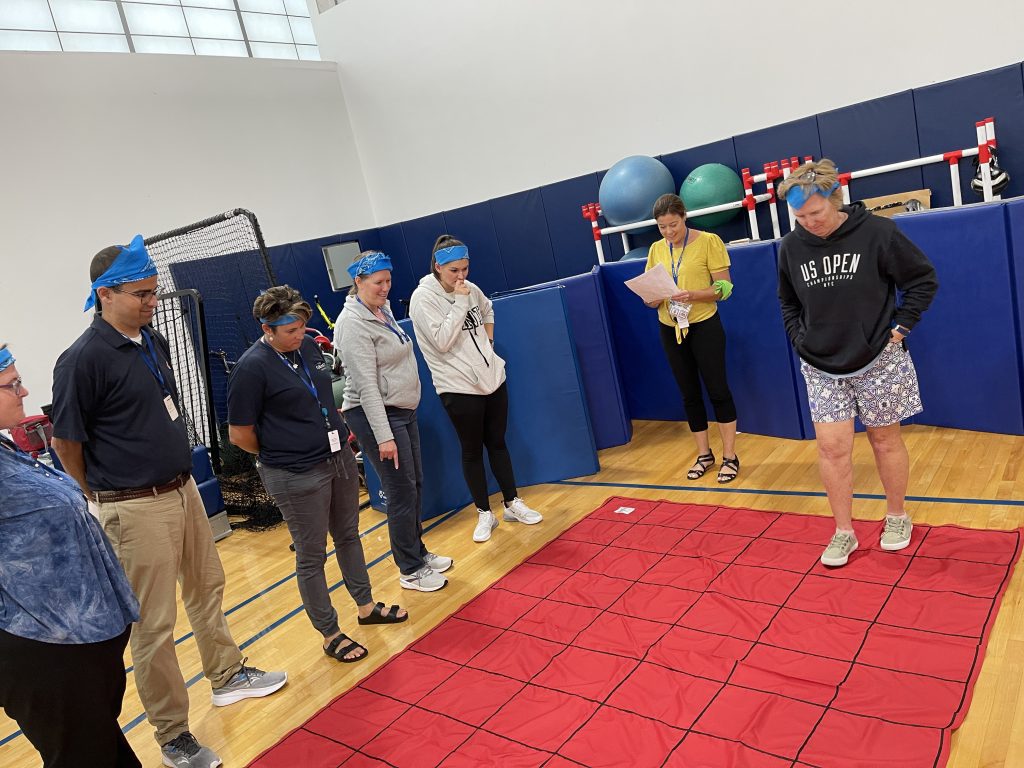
<point>106,497</point>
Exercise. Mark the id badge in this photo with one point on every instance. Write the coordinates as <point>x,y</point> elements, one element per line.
<point>334,439</point>
<point>172,410</point>
<point>680,312</point>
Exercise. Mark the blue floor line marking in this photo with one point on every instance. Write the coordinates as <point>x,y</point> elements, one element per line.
<point>819,494</point>
<point>246,602</point>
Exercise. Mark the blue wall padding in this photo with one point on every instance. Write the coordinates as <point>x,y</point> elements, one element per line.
<point>403,279</point>
<point>1014,211</point>
<point>753,150</point>
<point>572,239</point>
<point>724,152</point>
<point>872,133</point>
<point>588,318</point>
<point>946,113</point>
<point>213,499</point>
<point>522,232</point>
<point>474,226</point>
<point>965,348</point>
<point>201,467</point>
<point>757,348</point>
<point>420,236</point>
<point>549,435</point>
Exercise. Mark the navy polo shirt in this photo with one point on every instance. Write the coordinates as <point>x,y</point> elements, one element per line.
<point>266,392</point>
<point>107,398</point>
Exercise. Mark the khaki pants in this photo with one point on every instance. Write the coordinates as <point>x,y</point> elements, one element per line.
<point>161,540</point>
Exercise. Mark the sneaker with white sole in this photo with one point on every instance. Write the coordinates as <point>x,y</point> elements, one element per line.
<point>896,535</point>
<point>185,752</point>
<point>486,522</point>
<point>248,683</point>
<point>838,551</point>
<point>437,563</point>
<point>426,579</point>
<point>516,511</point>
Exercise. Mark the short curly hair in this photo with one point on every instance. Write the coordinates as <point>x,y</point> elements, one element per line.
<point>278,301</point>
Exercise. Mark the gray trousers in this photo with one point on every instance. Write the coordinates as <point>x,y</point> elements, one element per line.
<point>403,486</point>
<point>323,499</point>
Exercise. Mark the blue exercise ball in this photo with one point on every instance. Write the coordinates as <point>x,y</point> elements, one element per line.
<point>631,186</point>
<point>709,185</point>
<point>636,253</point>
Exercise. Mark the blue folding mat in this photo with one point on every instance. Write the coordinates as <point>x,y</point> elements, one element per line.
<point>549,434</point>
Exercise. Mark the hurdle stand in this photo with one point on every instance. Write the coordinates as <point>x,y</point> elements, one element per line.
<point>592,211</point>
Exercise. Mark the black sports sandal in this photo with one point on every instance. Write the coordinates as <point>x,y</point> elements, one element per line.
<point>701,466</point>
<point>727,464</point>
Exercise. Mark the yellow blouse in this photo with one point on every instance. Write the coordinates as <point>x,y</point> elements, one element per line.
<point>703,256</point>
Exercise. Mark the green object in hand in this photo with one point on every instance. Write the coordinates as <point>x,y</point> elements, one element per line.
<point>723,288</point>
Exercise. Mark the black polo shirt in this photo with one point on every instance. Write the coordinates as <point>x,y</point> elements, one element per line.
<point>106,397</point>
<point>265,392</point>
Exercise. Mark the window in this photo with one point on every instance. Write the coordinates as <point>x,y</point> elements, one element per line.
<point>277,29</point>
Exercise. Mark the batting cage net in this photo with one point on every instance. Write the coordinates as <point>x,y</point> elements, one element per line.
<point>209,274</point>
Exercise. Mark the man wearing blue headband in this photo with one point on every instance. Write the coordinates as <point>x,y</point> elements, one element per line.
<point>839,274</point>
<point>119,433</point>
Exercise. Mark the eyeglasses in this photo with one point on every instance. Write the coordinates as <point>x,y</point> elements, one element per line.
<point>807,177</point>
<point>142,296</point>
<point>14,386</point>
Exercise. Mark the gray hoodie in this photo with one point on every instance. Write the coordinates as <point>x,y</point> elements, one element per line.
<point>450,332</point>
<point>379,363</point>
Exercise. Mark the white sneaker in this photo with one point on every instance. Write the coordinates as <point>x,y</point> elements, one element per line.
<point>437,563</point>
<point>896,535</point>
<point>426,579</point>
<point>485,523</point>
<point>839,549</point>
<point>516,511</point>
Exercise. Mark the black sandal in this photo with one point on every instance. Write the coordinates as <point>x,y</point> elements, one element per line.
<point>701,466</point>
<point>339,654</point>
<point>379,616</point>
<point>733,464</point>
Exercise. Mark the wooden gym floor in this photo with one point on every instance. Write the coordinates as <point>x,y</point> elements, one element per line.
<point>965,478</point>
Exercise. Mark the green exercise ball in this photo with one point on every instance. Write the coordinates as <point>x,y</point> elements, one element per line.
<point>708,185</point>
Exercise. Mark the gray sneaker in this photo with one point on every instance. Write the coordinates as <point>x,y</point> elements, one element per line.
<point>896,535</point>
<point>838,551</point>
<point>426,579</point>
<point>248,683</point>
<point>437,563</point>
<point>185,752</point>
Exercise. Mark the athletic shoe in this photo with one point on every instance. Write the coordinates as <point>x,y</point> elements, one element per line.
<point>248,683</point>
<point>185,752</point>
<point>486,522</point>
<point>426,579</point>
<point>437,563</point>
<point>516,511</point>
<point>896,535</point>
<point>839,549</point>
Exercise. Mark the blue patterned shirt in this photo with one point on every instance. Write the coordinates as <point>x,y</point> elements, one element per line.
<point>60,581</point>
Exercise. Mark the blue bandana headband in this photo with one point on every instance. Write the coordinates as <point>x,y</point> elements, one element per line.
<point>452,253</point>
<point>285,320</point>
<point>132,264</point>
<point>6,358</point>
<point>798,195</point>
<point>368,264</point>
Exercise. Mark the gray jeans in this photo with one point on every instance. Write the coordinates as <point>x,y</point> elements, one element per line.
<point>323,499</point>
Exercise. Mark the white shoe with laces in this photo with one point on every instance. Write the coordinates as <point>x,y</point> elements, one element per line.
<point>486,522</point>
<point>516,511</point>
<point>438,563</point>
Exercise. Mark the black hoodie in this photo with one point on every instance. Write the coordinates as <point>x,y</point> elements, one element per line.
<point>838,294</point>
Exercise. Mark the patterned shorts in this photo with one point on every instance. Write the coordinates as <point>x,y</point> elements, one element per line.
<point>884,394</point>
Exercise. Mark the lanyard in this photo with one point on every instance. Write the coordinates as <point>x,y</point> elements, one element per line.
<point>152,361</point>
<point>309,385</point>
<point>677,264</point>
<point>402,337</point>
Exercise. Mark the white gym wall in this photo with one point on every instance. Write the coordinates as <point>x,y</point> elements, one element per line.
<point>457,101</point>
<point>98,147</point>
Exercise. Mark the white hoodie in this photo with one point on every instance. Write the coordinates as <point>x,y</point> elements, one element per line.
<point>451,336</point>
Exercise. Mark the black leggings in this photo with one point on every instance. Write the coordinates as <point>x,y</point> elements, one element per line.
<point>480,420</point>
<point>66,698</point>
<point>701,356</point>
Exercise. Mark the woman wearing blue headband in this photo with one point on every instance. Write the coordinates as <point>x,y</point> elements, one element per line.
<point>281,408</point>
<point>691,330</point>
<point>839,273</point>
<point>67,608</point>
<point>454,325</point>
<point>382,392</point>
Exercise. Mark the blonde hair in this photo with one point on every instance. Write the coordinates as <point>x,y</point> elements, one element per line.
<point>279,301</point>
<point>821,174</point>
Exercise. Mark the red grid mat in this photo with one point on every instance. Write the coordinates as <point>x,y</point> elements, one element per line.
<point>660,634</point>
